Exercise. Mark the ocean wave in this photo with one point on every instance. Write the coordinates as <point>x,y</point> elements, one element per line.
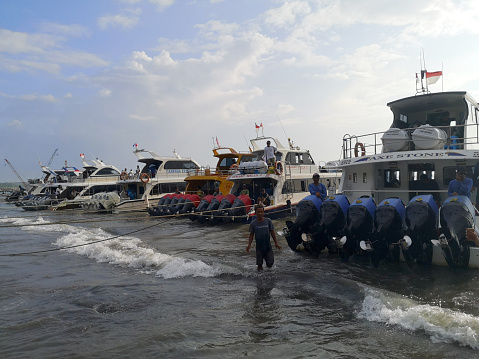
<point>441,324</point>
<point>130,252</point>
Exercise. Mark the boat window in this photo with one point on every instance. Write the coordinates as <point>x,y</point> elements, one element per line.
<point>306,159</point>
<point>227,162</point>
<point>392,178</point>
<point>365,177</point>
<point>107,172</point>
<point>292,158</point>
<point>180,165</point>
<point>449,173</point>
<point>246,159</point>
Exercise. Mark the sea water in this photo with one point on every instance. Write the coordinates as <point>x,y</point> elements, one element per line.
<point>138,286</point>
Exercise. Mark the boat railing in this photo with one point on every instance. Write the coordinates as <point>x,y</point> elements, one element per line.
<point>371,143</point>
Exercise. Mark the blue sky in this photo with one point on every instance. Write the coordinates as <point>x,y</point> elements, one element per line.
<point>95,77</point>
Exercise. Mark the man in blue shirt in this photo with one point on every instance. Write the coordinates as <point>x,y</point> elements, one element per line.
<point>317,188</point>
<point>461,186</point>
<point>261,229</point>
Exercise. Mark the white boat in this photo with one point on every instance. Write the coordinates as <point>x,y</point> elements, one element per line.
<point>285,183</point>
<point>80,186</point>
<point>432,134</point>
<point>159,176</point>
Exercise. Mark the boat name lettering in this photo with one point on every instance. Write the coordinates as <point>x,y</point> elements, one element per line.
<point>176,171</point>
<point>374,158</point>
<point>437,154</point>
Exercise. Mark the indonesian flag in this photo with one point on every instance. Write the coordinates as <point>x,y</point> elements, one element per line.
<point>257,127</point>
<point>217,141</point>
<point>82,155</point>
<point>432,77</point>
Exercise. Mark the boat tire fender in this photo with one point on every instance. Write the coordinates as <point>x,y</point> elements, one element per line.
<point>123,176</point>
<point>357,147</point>
<point>144,178</point>
<point>278,168</point>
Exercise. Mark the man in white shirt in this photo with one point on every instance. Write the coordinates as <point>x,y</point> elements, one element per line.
<point>269,154</point>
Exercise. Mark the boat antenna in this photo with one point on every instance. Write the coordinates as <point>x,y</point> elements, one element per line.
<point>247,144</point>
<point>289,139</point>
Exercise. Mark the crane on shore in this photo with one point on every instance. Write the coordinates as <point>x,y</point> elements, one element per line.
<point>27,186</point>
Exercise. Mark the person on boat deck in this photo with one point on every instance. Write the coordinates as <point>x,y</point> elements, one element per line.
<point>244,191</point>
<point>200,193</point>
<point>59,190</point>
<point>130,174</point>
<point>177,191</point>
<point>425,184</point>
<point>137,172</point>
<point>317,188</point>
<point>264,198</point>
<point>461,185</point>
<point>269,153</point>
<point>216,192</point>
<point>261,229</point>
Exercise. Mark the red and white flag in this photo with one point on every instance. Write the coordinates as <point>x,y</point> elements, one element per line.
<point>82,155</point>
<point>217,141</point>
<point>257,127</point>
<point>432,77</point>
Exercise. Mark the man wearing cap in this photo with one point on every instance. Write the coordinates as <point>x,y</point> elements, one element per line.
<point>317,188</point>
<point>461,186</point>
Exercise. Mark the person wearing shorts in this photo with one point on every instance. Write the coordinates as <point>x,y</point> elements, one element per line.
<point>261,229</point>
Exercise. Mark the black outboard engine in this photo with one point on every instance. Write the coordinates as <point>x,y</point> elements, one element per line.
<point>170,208</point>
<point>389,231</point>
<point>457,214</point>
<point>359,225</point>
<point>333,222</point>
<point>179,205</point>
<point>191,202</point>
<point>202,206</point>
<point>239,209</point>
<point>422,216</point>
<point>305,225</point>
<point>212,206</point>
<point>222,210</point>
<point>161,207</point>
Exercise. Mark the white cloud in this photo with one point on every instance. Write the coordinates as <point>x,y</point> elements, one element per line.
<point>69,30</point>
<point>16,124</point>
<point>129,19</point>
<point>105,92</point>
<point>162,4</point>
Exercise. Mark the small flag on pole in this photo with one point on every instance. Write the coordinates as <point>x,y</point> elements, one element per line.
<point>135,145</point>
<point>217,141</point>
<point>82,155</point>
<point>257,127</point>
<point>432,77</point>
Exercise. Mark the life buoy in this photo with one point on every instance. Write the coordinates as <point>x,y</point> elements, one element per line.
<point>144,178</point>
<point>278,168</point>
<point>358,146</point>
<point>123,176</point>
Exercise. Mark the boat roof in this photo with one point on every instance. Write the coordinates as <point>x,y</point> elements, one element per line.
<point>430,100</point>
<point>259,143</point>
<point>148,157</point>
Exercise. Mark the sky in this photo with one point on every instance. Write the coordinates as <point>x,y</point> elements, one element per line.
<point>96,77</point>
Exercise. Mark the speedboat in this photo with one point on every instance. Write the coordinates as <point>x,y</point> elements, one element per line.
<point>79,186</point>
<point>285,182</point>
<point>431,136</point>
<point>160,175</point>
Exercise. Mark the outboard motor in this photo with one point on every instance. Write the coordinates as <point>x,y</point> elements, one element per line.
<point>170,209</point>
<point>359,225</point>
<point>213,205</point>
<point>333,221</point>
<point>222,209</point>
<point>305,225</point>
<point>389,231</point>
<point>181,202</point>
<point>422,216</point>
<point>240,208</point>
<point>191,202</point>
<point>202,206</point>
<point>158,209</point>
<point>457,214</point>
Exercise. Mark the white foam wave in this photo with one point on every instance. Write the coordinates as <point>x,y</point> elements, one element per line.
<point>130,252</point>
<point>441,324</point>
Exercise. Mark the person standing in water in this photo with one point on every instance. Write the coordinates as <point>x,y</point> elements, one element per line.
<point>261,229</point>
